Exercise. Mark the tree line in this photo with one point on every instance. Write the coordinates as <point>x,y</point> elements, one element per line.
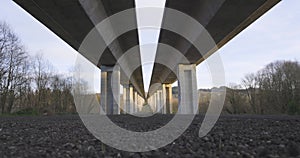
<point>30,83</point>
<point>273,90</point>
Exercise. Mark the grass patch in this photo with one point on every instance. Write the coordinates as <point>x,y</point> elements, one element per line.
<point>23,112</point>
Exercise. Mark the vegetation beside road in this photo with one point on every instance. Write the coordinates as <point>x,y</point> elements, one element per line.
<point>29,85</point>
<point>273,90</point>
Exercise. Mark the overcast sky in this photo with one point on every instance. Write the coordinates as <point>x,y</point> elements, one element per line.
<point>275,36</point>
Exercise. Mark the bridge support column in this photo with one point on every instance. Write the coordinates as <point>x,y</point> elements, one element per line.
<point>125,91</point>
<point>159,102</point>
<point>163,100</point>
<point>188,93</point>
<point>128,99</point>
<point>140,103</point>
<point>150,101</point>
<point>110,76</point>
<point>167,96</point>
<point>154,102</point>
<point>135,104</point>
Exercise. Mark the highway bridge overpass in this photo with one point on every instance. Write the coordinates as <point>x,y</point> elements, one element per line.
<point>72,21</point>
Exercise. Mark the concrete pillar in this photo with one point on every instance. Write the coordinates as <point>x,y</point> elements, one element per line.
<point>159,102</point>
<point>123,107</point>
<point>110,84</point>
<point>128,98</point>
<point>131,96</point>
<point>188,93</point>
<point>140,103</point>
<point>154,102</point>
<point>150,101</point>
<point>163,99</point>
<point>135,105</point>
<point>167,96</point>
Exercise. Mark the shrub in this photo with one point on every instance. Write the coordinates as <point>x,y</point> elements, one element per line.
<point>293,108</point>
<point>27,111</point>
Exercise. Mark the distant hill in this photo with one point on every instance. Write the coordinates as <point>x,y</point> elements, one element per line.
<point>175,90</point>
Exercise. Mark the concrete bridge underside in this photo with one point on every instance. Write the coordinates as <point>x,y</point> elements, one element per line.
<point>72,20</point>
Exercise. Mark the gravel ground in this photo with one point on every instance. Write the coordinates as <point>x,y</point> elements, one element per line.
<point>232,136</point>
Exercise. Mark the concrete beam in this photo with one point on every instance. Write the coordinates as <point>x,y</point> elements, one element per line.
<point>188,93</point>
<point>110,86</point>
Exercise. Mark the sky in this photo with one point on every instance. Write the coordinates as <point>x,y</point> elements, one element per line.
<point>274,36</point>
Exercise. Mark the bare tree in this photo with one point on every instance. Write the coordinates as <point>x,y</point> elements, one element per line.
<point>274,89</point>
<point>251,85</point>
<point>42,71</point>
<point>13,67</point>
<point>27,82</point>
<point>235,100</point>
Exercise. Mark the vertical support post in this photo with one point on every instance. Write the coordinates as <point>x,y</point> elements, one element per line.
<point>110,86</point>
<point>150,101</point>
<point>103,95</point>
<point>128,98</point>
<point>159,102</point>
<point>163,99</point>
<point>188,93</point>
<point>167,94</point>
<point>131,96</point>
<point>140,103</point>
<point>124,100</point>
<point>155,102</point>
<point>135,105</point>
